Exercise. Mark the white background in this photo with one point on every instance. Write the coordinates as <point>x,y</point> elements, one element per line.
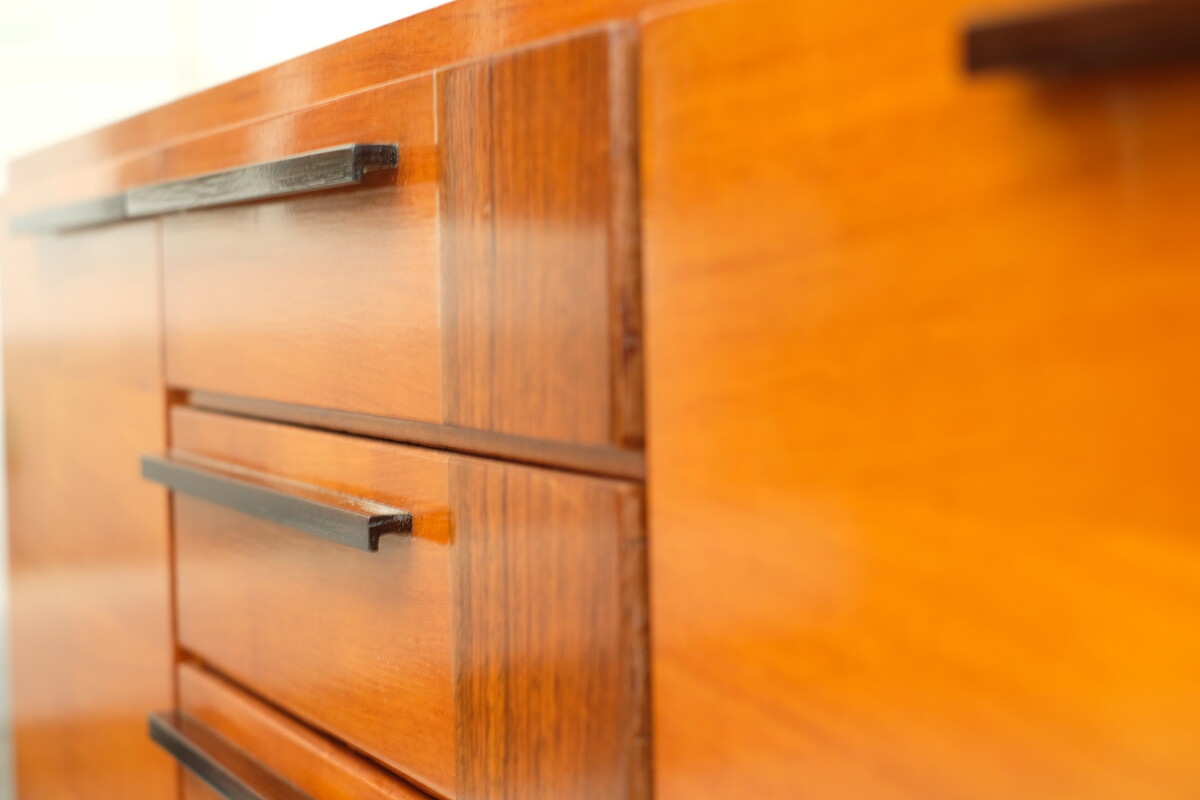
<point>67,66</point>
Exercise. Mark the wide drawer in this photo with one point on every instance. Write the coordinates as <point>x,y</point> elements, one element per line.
<point>489,283</point>
<point>498,644</point>
<point>263,741</point>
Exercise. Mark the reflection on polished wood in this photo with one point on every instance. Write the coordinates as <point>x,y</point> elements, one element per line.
<point>551,631</point>
<point>922,349</point>
<point>326,300</point>
<point>921,425</point>
<point>541,296</point>
<point>520,561</point>
<point>356,643</point>
<point>91,636</point>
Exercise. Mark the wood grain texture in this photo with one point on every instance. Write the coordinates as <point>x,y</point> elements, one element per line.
<point>326,300</point>
<point>536,304</point>
<point>88,540</point>
<point>310,761</point>
<point>540,287</point>
<point>356,643</point>
<point>922,429</point>
<point>468,232</point>
<point>546,579</point>
<point>551,628</point>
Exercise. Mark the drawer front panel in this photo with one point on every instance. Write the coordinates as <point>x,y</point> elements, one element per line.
<point>498,648</point>
<point>358,643</point>
<point>302,756</point>
<point>328,299</point>
<point>489,283</point>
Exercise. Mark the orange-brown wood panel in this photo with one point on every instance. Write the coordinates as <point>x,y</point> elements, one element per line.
<point>541,294</point>
<point>326,300</point>
<point>88,539</point>
<point>922,420</point>
<point>551,630</point>
<point>356,643</point>
<point>545,587</point>
<point>300,755</point>
<point>536,306</point>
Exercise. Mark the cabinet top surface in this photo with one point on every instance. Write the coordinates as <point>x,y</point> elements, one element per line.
<point>458,31</point>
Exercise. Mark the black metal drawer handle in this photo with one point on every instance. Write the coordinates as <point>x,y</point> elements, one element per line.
<point>307,172</point>
<point>1085,36</point>
<point>228,769</point>
<point>337,517</point>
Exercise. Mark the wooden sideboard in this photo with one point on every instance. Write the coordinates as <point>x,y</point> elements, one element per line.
<point>621,399</point>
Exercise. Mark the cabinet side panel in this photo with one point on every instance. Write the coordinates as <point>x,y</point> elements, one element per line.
<point>923,435</point>
<point>91,629</point>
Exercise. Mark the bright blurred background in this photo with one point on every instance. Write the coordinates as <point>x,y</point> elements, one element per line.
<point>72,65</point>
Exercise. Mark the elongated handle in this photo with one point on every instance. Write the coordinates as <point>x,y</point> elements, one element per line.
<point>1085,36</point>
<point>228,769</point>
<point>308,172</point>
<point>335,167</point>
<point>337,517</point>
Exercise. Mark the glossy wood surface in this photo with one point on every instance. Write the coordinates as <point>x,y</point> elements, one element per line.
<point>542,311</point>
<point>312,762</point>
<point>531,327</point>
<point>922,415</point>
<point>550,622</point>
<point>356,643</point>
<point>546,581</point>
<point>327,300</point>
<point>88,539</point>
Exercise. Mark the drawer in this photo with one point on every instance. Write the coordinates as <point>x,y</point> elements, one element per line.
<point>254,739</point>
<point>358,643</point>
<point>325,298</point>
<point>489,283</point>
<point>496,643</point>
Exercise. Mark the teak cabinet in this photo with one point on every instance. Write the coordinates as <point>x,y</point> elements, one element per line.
<point>620,400</point>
